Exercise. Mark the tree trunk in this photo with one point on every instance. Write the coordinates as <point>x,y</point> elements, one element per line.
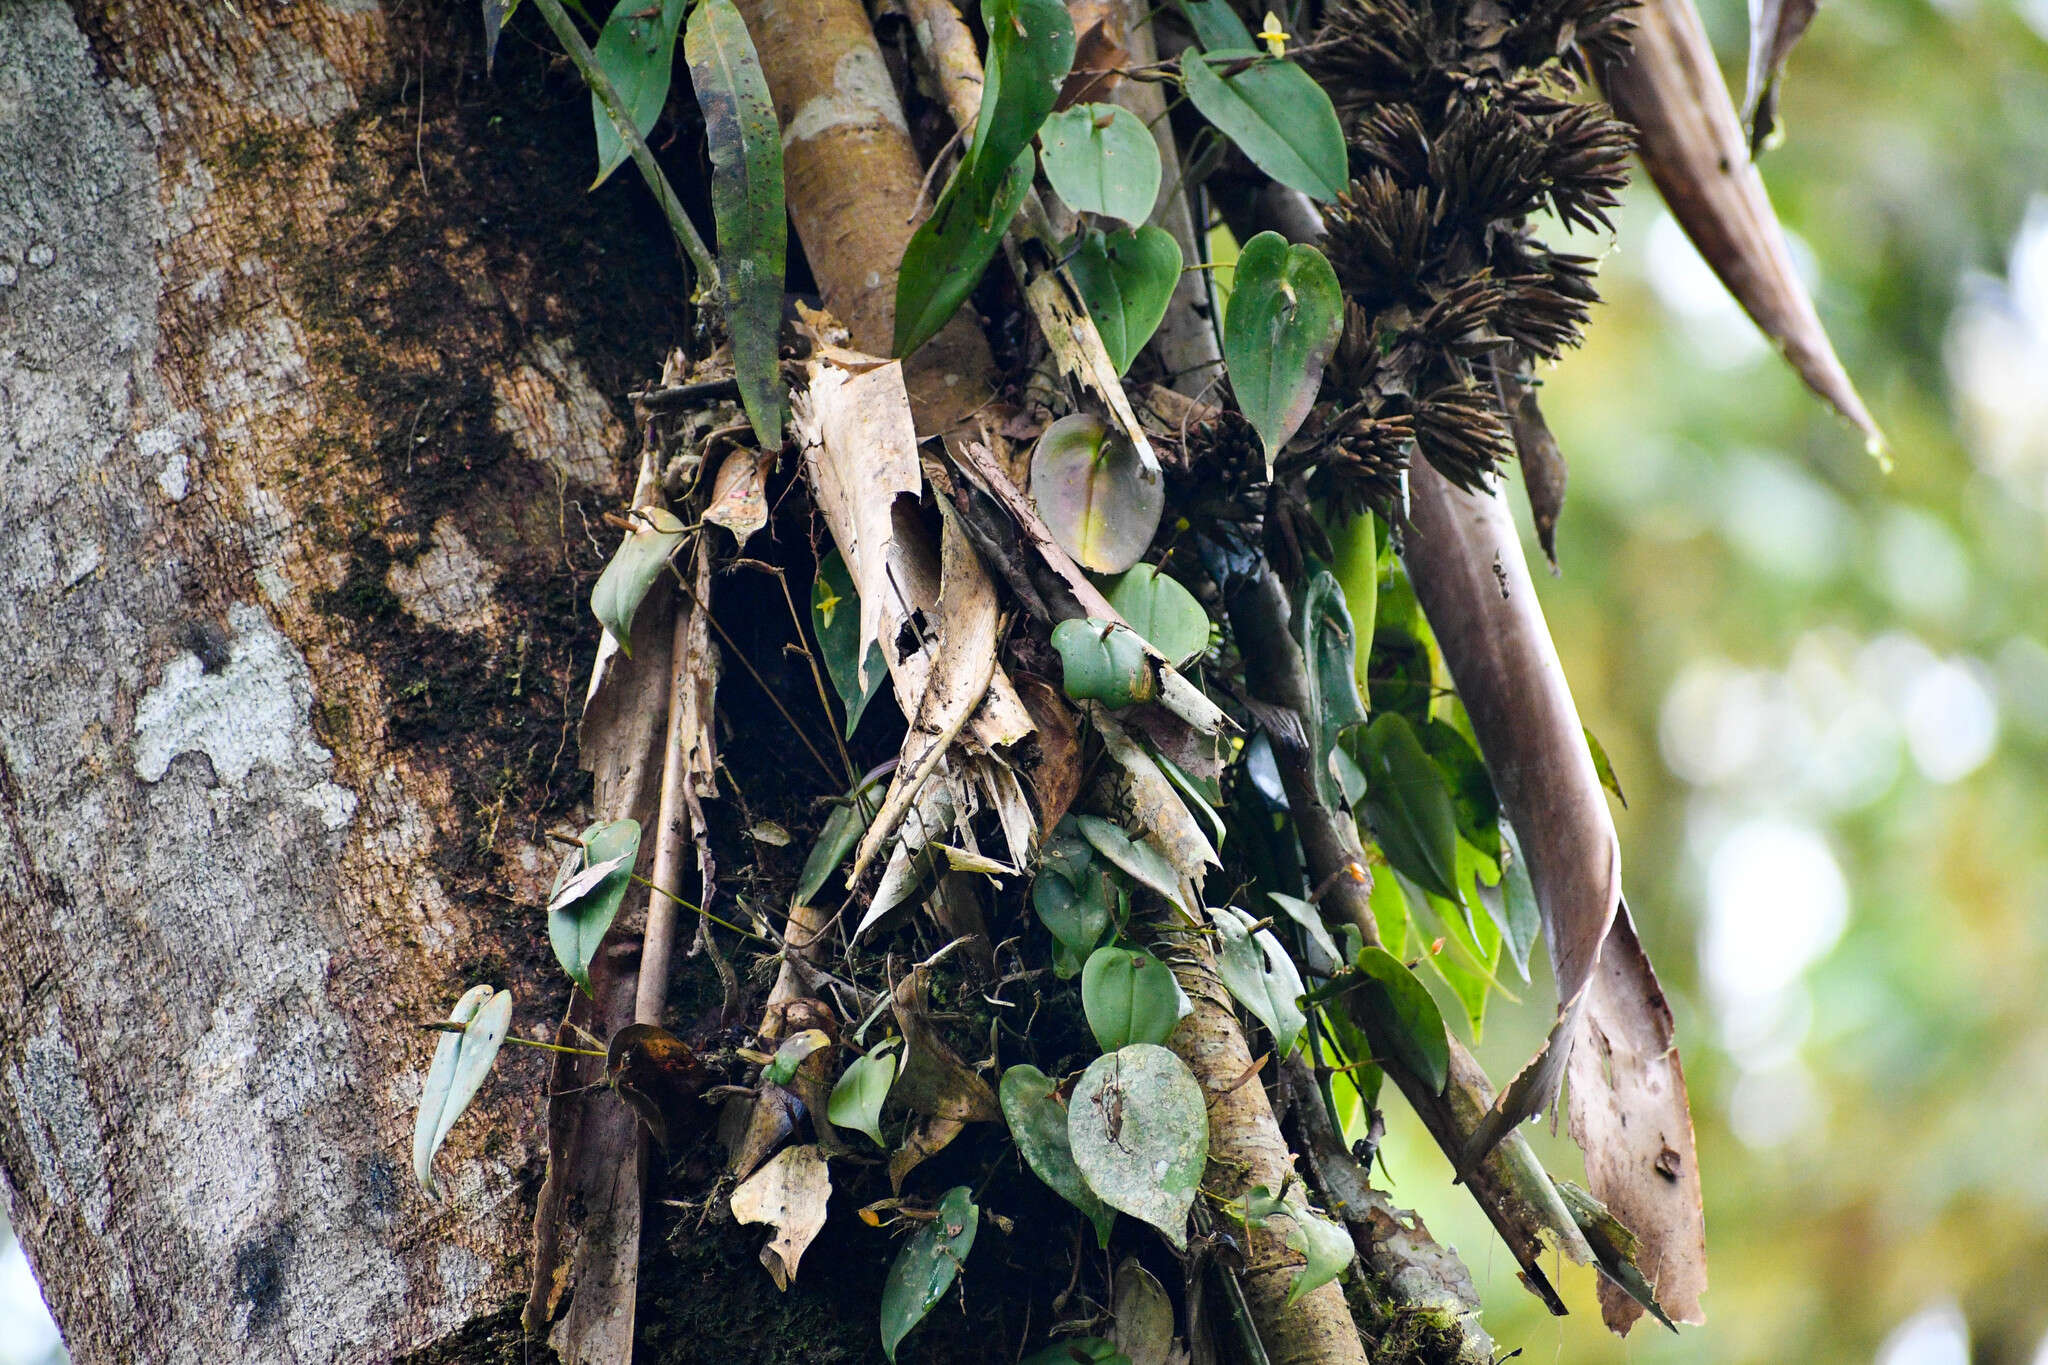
<point>310,358</point>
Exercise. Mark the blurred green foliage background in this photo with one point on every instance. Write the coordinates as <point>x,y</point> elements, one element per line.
<point>1825,691</point>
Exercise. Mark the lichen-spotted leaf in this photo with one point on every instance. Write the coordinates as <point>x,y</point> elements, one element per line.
<point>1140,1135</point>
<point>927,1266</point>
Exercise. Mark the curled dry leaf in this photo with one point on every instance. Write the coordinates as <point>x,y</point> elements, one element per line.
<point>1775,27</point>
<point>860,454</point>
<point>1543,468</point>
<point>790,1194</point>
<point>739,493</point>
<point>1669,87</point>
<point>461,1061</point>
<point>1613,1027</point>
<point>962,669</point>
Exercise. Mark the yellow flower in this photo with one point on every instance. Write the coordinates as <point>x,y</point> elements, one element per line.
<point>1272,36</point>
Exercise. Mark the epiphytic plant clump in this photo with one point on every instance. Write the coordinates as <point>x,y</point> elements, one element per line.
<point>1227,774</point>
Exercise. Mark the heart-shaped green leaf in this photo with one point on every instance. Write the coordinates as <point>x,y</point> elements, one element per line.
<point>1409,806</point>
<point>1162,611</point>
<point>858,1095</point>
<point>927,1266</point>
<point>1105,662</point>
<point>1126,279</point>
<point>1038,1123</point>
<point>637,49</point>
<point>1077,913</point>
<point>1276,114</point>
<point>1400,1017</point>
<point>946,256</point>
<point>1324,1243</point>
<point>1130,997</point>
<point>745,143</point>
<point>1137,857</point>
<point>1260,976</point>
<point>461,1060</point>
<point>587,893</point>
<point>1101,159</point>
<point>639,561</point>
<point>1096,497</point>
<point>1140,1134</point>
<point>1282,323</point>
<point>835,617</point>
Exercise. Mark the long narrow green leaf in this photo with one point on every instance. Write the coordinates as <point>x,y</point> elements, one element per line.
<point>637,49</point>
<point>745,141</point>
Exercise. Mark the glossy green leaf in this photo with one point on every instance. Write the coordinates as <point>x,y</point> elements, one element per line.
<point>1276,114</point>
<point>745,143</point>
<point>1471,967</point>
<point>1076,913</point>
<point>843,828</point>
<point>835,617</point>
<point>1130,997</point>
<point>1138,859</point>
<point>1161,610</point>
<point>1125,279</point>
<point>946,256</point>
<point>1330,649</point>
<point>461,1061</point>
<point>1101,159</point>
<point>587,893</point>
<point>1101,661</point>
<point>1324,1242</point>
<point>1282,323</point>
<point>1322,957</point>
<point>1390,912</point>
<point>1096,497</point>
<point>1030,51</point>
<point>1400,1017</point>
<point>1409,807</point>
<point>638,562</point>
<point>1471,788</point>
<point>1604,767</point>
<point>637,49</point>
<point>1216,24</point>
<point>1140,1134</point>
<point>861,1089</point>
<point>927,1266</point>
<point>1038,1124</point>
<point>1257,972</point>
<point>1521,917</point>
<point>1031,47</point>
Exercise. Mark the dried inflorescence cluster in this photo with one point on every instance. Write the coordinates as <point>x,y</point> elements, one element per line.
<point>1463,120</point>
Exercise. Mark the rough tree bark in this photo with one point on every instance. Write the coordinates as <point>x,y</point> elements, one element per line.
<point>308,382</point>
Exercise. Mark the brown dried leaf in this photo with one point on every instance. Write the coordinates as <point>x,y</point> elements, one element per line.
<point>1466,562</point>
<point>965,664</point>
<point>1692,145</point>
<point>1775,27</point>
<point>934,1081</point>
<point>1543,467</point>
<point>790,1194</point>
<point>739,493</point>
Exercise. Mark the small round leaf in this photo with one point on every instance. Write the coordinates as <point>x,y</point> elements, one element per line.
<point>1162,611</point>
<point>1097,498</point>
<point>1102,160</point>
<point>1130,997</point>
